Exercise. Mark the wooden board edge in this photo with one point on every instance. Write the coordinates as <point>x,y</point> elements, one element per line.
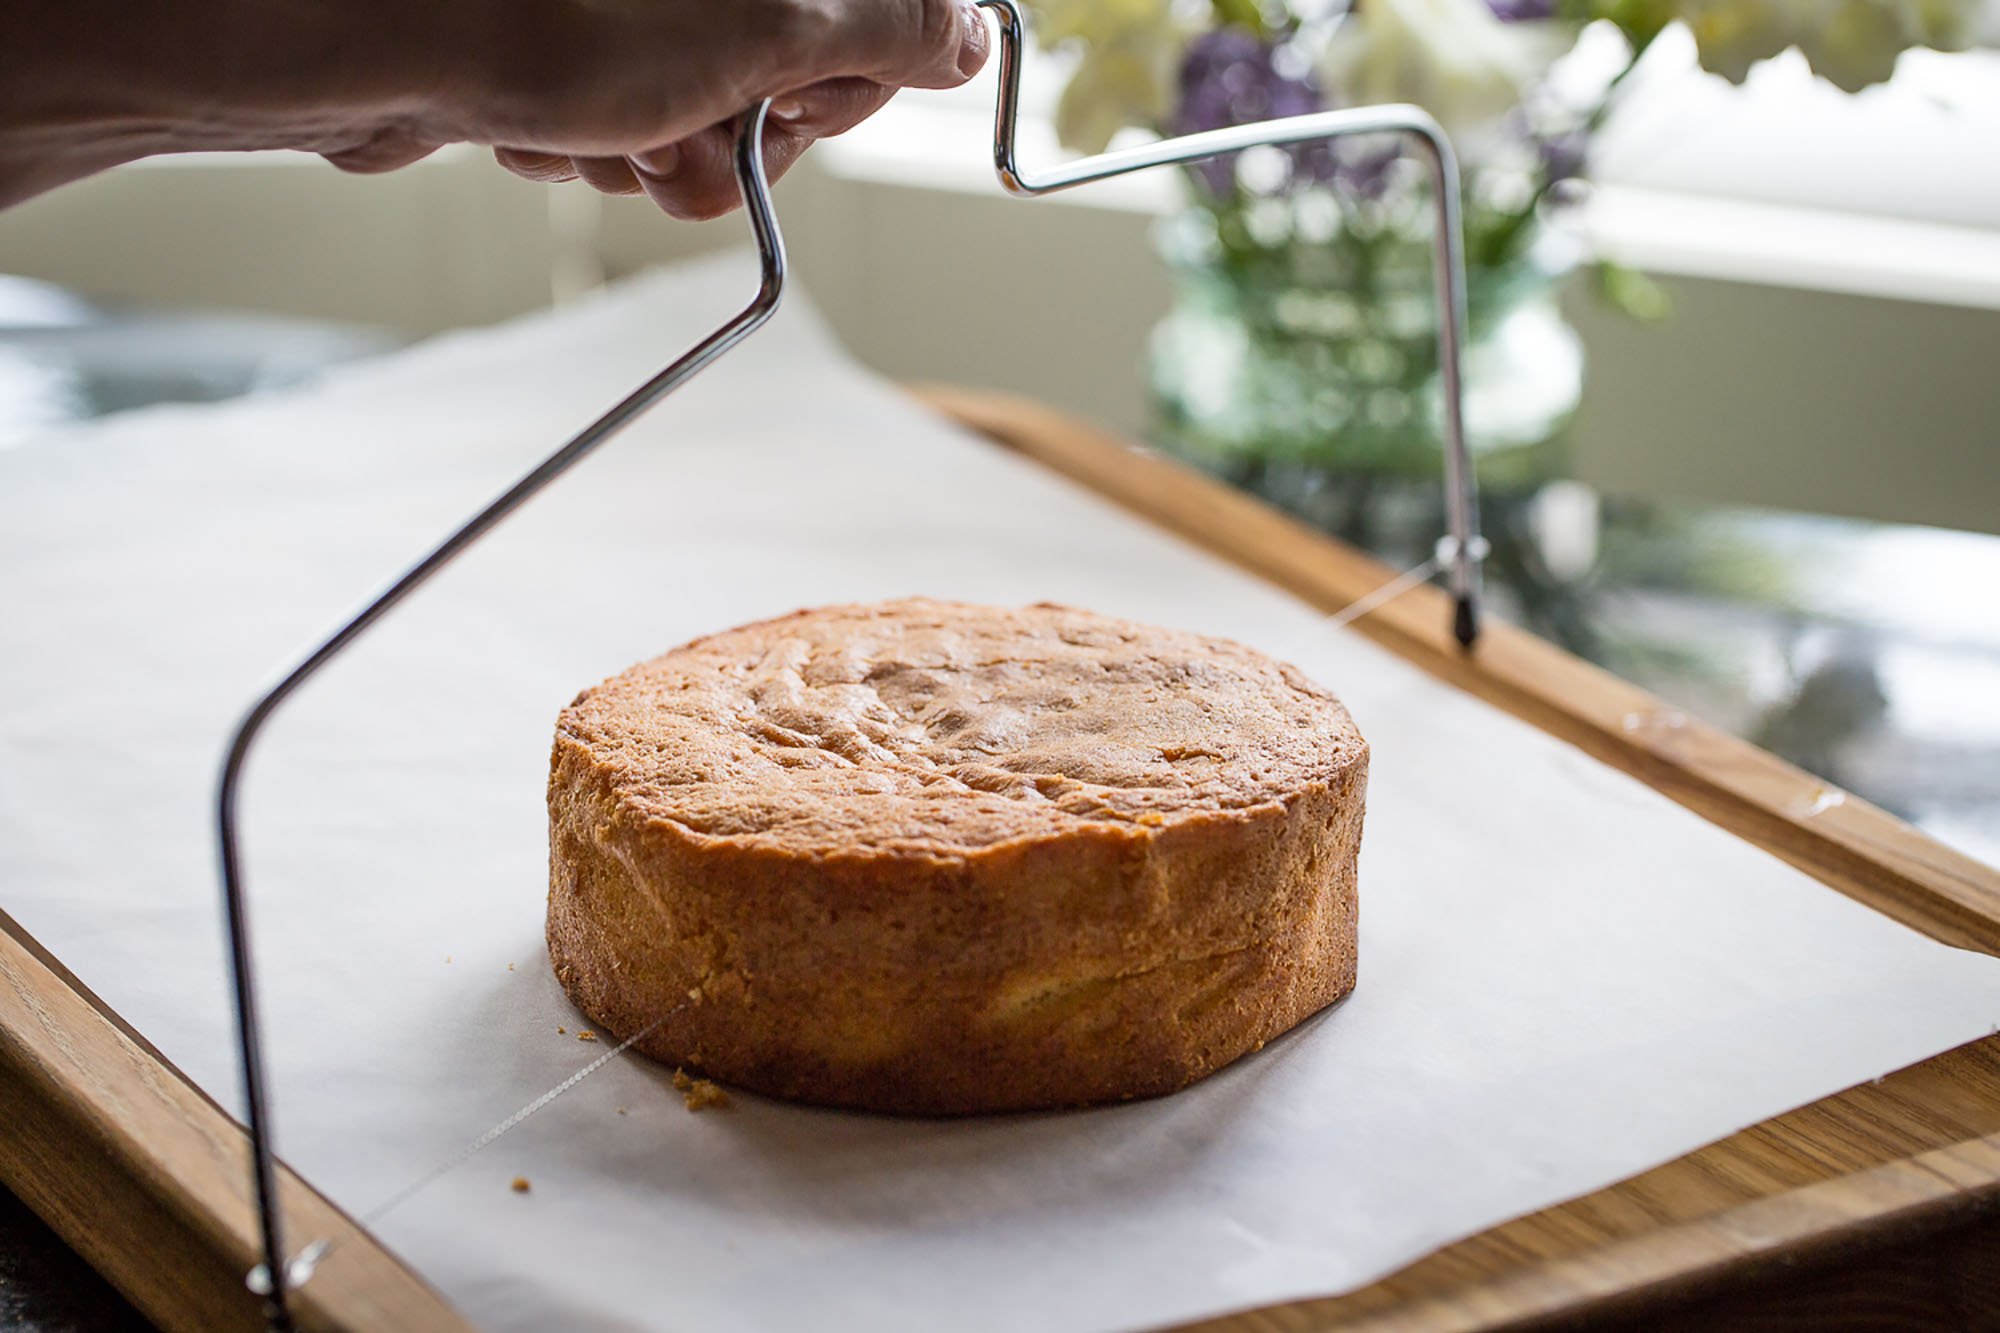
<point>145,1176</point>
<point>148,1180</point>
<point>1845,842</point>
<point>1887,1205</point>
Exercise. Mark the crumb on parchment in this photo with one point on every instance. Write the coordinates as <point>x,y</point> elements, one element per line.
<point>519,1185</point>
<point>561,1031</point>
<point>585,1034</point>
<point>699,1093</point>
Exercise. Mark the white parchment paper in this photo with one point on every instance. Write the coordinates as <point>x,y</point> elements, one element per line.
<point>1565,978</point>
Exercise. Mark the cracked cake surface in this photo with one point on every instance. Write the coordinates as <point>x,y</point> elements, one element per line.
<point>937,857</point>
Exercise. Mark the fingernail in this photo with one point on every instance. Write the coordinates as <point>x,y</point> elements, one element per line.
<point>788,109</point>
<point>659,161</point>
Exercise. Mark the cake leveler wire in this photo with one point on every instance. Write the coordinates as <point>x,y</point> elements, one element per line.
<point>1460,552</point>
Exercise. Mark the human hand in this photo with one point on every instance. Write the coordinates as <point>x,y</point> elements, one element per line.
<point>641,95</point>
<point>628,95</point>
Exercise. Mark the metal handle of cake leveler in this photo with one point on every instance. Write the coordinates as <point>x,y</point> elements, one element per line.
<point>1465,548</point>
<point>272,1277</point>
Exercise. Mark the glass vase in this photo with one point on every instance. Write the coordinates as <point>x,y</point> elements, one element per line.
<point>1306,372</point>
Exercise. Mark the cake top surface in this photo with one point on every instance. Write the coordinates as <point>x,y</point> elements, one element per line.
<point>940,727</point>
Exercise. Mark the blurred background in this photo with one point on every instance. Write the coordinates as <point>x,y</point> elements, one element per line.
<point>1735,290</point>
<point>1832,262</point>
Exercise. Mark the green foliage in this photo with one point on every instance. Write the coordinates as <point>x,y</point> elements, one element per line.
<point>1245,14</point>
<point>1631,292</point>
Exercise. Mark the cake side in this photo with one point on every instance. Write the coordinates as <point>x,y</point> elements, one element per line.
<point>1093,969</point>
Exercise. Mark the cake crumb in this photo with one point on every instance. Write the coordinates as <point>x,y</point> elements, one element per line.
<point>520,1185</point>
<point>704,1094</point>
<point>510,967</point>
<point>447,958</point>
<point>585,1034</point>
<point>699,1093</point>
<point>562,1031</point>
<point>621,1110</point>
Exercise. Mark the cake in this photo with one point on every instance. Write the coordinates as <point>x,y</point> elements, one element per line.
<point>935,858</point>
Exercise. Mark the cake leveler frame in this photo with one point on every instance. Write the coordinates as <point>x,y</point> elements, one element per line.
<point>1461,551</point>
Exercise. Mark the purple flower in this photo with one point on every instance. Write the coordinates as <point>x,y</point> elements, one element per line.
<point>1231,77</point>
<point>1522,11</point>
<point>1362,167</point>
<point>1563,155</point>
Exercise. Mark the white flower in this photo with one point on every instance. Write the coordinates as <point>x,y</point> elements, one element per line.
<point>1453,58</point>
<point>1118,84</point>
<point>1056,22</point>
<point>1130,55</point>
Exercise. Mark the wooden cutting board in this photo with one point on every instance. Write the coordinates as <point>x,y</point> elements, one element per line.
<point>1888,1194</point>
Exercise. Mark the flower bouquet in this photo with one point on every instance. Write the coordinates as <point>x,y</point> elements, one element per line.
<point>1300,357</point>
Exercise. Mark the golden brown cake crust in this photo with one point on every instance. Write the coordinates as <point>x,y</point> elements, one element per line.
<point>932,857</point>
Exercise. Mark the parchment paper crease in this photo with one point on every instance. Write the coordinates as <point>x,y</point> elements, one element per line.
<point>1565,978</point>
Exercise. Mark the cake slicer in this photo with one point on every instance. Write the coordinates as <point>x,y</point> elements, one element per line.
<point>1460,551</point>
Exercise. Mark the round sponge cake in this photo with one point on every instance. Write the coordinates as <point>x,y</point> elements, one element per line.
<point>939,858</point>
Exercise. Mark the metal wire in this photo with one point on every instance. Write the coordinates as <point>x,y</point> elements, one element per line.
<point>1461,499</point>
<point>1447,250</point>
<point>771,249</point>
